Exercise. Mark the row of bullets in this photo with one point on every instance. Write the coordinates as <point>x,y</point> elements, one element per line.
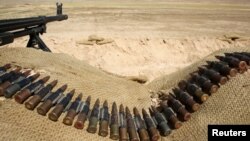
<point>182,101</point>
<point>122,125</point>
<point>21,85</point>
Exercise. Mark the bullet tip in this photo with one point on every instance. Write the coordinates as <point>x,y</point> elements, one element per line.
<point>53,83</point>
<point>79,96</point>
<point>26,73</point>
<point>127,110</point>
<point>36,75</point>
<point>17,69</point>
<point>46,78</point>
<point>136,112</point>
<point>64,87</point>
<point>144,112</point>
<point>121,108</point>
<point>7,66</point>
<point>89,98</point>
<point>97,102</point>
<point>105,103</point>
<point>72,91</point>
<point>114,107</point>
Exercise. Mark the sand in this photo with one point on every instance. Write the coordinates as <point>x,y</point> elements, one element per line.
<point>151,38</point>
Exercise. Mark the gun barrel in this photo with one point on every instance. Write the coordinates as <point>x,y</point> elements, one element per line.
<point>14,24</point>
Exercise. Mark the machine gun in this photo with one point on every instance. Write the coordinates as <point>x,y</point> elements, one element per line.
<point>34,26</point>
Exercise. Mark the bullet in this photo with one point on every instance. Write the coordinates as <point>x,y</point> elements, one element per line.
<point>178,108</point>
<point>83,114</point>
<point>140,125</point>
<point>14,79</point>
<point>4,68</point>
<point>182,84</point>
<point>245,53</point>
<point>123,128</point>
<point>93,119</point>
<point>36,99</point>
<point>239,56</point>
<point>7,76</point>
<point>11,90</point>
<point>162,123</point>
<point>114,125</point>
<point>151,127</point>
<point>24,94</point>
<point>131,126</point>
<point>186,99</point>
<point>51,101</point>
<point>205,84</point>
<point>60,106</point>
<point>213,75</point>
<point>194,90</point>
<point>170,115</point>
<point>222,68</point>
<point>73,111</point>
<point>104,120</point>
<point>233,62</point>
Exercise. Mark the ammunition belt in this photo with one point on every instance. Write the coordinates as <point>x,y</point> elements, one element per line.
<point>175,107</point>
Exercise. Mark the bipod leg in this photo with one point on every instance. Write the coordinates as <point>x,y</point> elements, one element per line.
<point>41,44</point>
<point>36,40</point>
<point>32,41</point>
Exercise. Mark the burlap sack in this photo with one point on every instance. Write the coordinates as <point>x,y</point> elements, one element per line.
<point>230,105</point>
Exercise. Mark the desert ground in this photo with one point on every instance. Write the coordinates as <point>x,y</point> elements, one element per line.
<point>150,38</point>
